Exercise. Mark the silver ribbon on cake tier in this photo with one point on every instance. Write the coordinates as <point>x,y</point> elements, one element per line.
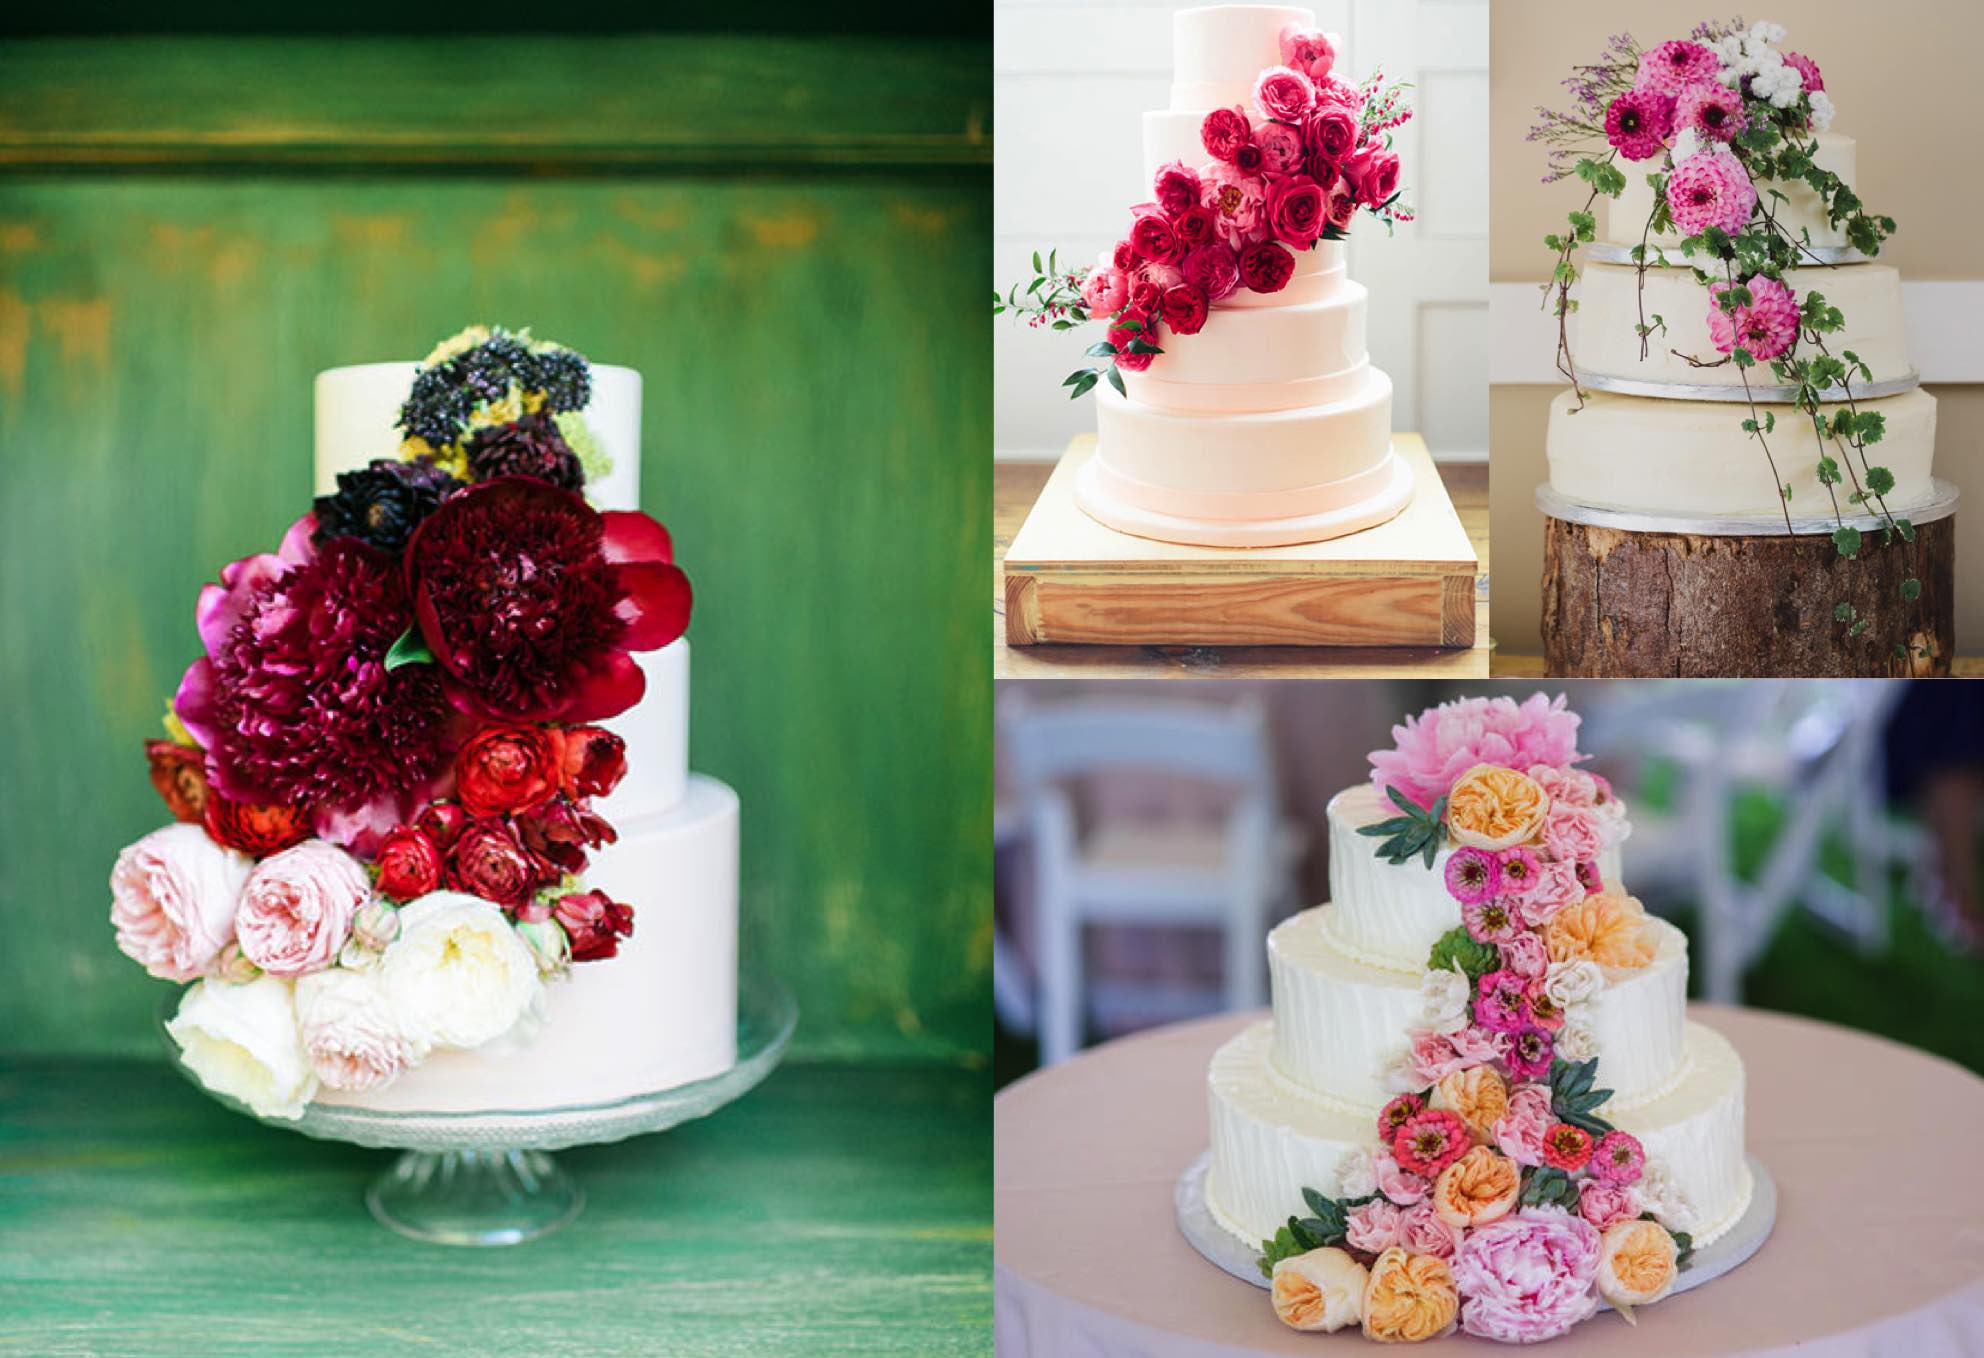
<point>1940,503</point>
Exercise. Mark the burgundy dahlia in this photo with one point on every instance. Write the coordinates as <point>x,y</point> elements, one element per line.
<point>383,503</point>
<point>293,701</point>
<point>530,447</point>
<point>530,600</point>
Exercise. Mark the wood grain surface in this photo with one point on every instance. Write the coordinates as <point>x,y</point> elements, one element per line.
<point>833,1211</point>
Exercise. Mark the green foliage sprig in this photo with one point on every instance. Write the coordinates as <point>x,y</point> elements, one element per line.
<point>1418,832</point>
<point>1326,1225</point>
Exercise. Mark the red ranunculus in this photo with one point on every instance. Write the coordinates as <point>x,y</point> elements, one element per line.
<point>558,834</point>
<point>1120,336</point>
<point>531,600</point>
<point>1331,129</point>
<point>1224,132</point>
<point>1185,308</point>
<point>595,923</point>
<point>179,772</point>
<point>410,864</point>
<point>1152,236</point>
<point>257,831</point>
<point>1194,225</point>
<point>442,822</point>
<point>506,768</point>
<point>593,763</point>
<point>1266,266</point>
<point>487,861</point>
<point>1297,210</point>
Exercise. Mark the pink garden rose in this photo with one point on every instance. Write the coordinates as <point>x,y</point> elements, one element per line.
<point>1164,275</point>
<point>349,1030</point>
<point>1281,148</point>
<point>1297,210</point>
<point>1214,269</point>
<point>1284,95</point>
<point>1310,51</point>
<point>296,908</point>
<point>1372,1228</point>
<point>1176,187</point>
<point>1398,1184</point>
<point>1123,257</point>
<point>1372,173</point>
<point>1146,296</point>
<point>1519,1132</point>
<point>1105,291</point>
<point>1527,1277</point>
<point>1606,1205</point>
<point>1571,834</point>
<point>1331,131</point>
<point>1554,885</point>
<point>1224,132</point>
<point>1477,1046</point>
<point>1526,956</point>
<point>1567,787</point>
<point>1421,1231</point>
<point>173,897</point>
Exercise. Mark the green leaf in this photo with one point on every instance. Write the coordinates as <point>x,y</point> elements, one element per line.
<point>1880,480</point>
<point>1911,590</point>
<point>1844,612</point>
<point>1828,472</point>
<point>1116,379</point>
<point>1084,384</point>
<point>1142,346</point>
<point>1906,529</point>
<point>1847,539</point>
<point>1101,349</point>
<point>1036,262</point>
<point>1684,1248</point>
<point>410,649</point>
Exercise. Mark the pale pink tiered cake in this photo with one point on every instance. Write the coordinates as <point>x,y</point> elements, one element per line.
<point>1269,426</point>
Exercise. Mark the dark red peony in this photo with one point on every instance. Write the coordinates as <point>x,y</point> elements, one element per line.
<point>595,923</point>
<point>488,861</point>
<point>410,864</point>
<point>530,600</point>
<point>293,700</point>
<point>593,762</point>
<point>1266,266</point>
<point>257,831</point>
<point>506,768</point>
<point>179,772</point>
<point>558,834</point>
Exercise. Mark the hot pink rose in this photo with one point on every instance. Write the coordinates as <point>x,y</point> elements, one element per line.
<point>1266,267</point>
<point>1124,257</point>
<point>1372,174</point>
<point>1398,1184</point>
<point>1331,130</point>
<point>1519,1132</point>
<point>1194,226</point>
<point>1281,148</point>
<point>1421,1231</point>
<point>1185,309</point>
<point>1572,833</point>
<point>1296,210</point>
<point>1224,132</point>
<point>1527,1277</point>
<point>1235,200</point>
<point>1526,955</point>
<point>1176,187</point>
<point>1105,291</point>
<point>1606,1205</point>
<point>1145,296</point>
<point>1373,1227</point>
<point>1284,95</point>
<point>1308,50</point>
<point>1152,236</point>
<point>173,897</point>
<point>297,906</point>
<point>1214,269</point>
<point>1120,336</point>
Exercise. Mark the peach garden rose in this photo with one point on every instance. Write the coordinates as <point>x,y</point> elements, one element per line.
<point>1494,808</point>
<point>1609,929</point>
<point>1320,1290</point>
<point>1478,1095</point>
<point>1410,1298</point>
<point>1637,1263</point>
<point>1476,1189</point>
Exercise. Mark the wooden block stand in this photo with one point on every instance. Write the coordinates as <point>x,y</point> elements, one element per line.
<point>1409,582</point>
<point>1625,598</point>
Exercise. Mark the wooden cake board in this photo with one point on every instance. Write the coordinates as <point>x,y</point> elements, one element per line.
<point>1408,582</point>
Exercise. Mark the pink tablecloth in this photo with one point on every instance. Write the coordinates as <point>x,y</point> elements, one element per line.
<point>1877,1150</point>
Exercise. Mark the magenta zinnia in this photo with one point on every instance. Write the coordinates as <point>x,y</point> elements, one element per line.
<point>293,701</point>
<point>1472,876</point>
<point>531,600</point>
<point>1638,122</point>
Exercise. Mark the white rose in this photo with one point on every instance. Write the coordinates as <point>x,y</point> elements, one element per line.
<point>350,1032</point>
<point>242,1041</point>
<point>458,975</point>
<point>1320,1290</point>
<point>1576,1041</point>
<point>1444,997</point>
<point>1660,1195</point>
<point>1357,1176</point>
<point>1572,983</point>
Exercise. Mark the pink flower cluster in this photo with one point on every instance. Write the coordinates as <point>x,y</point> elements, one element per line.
<point>1294,171</point>
<point>1710,188</point>
<point>1766,326</point>
<point>1434,749</point>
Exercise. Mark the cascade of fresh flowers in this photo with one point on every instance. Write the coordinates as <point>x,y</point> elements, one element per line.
<point>1296,170</point>
<point>1726,121</point>
<point>382,769</point>
<point>1495,1196</point>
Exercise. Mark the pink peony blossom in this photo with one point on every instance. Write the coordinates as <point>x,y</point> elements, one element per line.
<point>1501,1003</point>
<point>1308,50</point>
<point>1526,956</point>
<point>1710,188</point>
<point>1105,291</point>
<point>1473,875</point>
<point>1281,149</point>
<point>1605,1205</point>
<point>1572,833</point>
<point>1639,122</point>
<point>1224,132</point>
<point>1176,187</point>
<point>1618,1158</point>
<point>1530,1052</point>
<point>1435,748</point>
<point>1766,326</point>
<point>1399,1185</point>
<point>1214,269</point>
<point>297,906</point>
<point>1527,1277</point>
<point>1284,95</point>
<point>1235,199</point>
<point>1712,111</point>
<point>1519,1132</point>
<point>173,897</point>
<point>1372,1228</point>
<point>1422,1231</point>
<point>1673,66</point>
<point>1808,71</point>
<point>1491,921</point>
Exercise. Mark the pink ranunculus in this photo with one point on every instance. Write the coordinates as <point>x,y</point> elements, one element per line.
<point>1281,148</point>
<point>1398,1184</point>
<point>1194,226</point>
<point>1421,1231</point>
<point>1236,199</point>
<point>1213,268</point>
<point>1308,50</point>
<point>1176,187</point>
<point>1519,1132</point>
<point>1152,235</point>
<point>1266,266</point>
<point>1284,95</point>
<point>1434,749</point>
<point>1331,130</point>
<point>1373,1227</point>
<point>1605,1205</point>
<point>297,906</point>
<point>1571,833</point>
<point>1185,309</point>
<point>1526,955</point>
<point>173,897</point>
<point>1121,335</point>
<point>1527,1277</point>
<point>1224,132</point>
<point>1105,291</point>
<point>1297,210</point>
<point>1554,885</point>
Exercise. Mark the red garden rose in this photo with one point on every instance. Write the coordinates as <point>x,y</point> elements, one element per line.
<point>508,768</point>
<point>1146,295</point>
<point>1194,225</point>
<point>257,831</point>
<point>1266,266</point>
<point>410,864</point>
<point>1297,210</point>
<point>1224,132</point>
<point>595,923</point>
<point>179,772</point>
<point>531,600</point>
<point>1120,336</point>
<point>1331,129</point>
<point>1124,257</point>
<point>1176,188</point>
<point>592,762</point>
<point>1152,236</point>
<point>558,834</point>
<point>1284,95</point>
<point>487,861</point>
<point>1185,309</point>
<point>442,822</point>
<point>1249,158</point>
<point>1213,269</point>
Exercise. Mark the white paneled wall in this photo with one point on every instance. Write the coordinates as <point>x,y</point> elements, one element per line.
<point>1070,83</point>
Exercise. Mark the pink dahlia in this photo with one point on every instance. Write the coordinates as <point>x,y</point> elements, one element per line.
<point>1435,748</point>
<point>1808,71</point>
<point>1490,921</point>
<point>1710,188</point>
<point>1531,1050</point>
<point>1473,875</point>
<point>1527,1277</point>
<point>1430,1141</point>
<point>1713,111</point>
<point>293,701</point>
<point>1673,66</point>
<point>1501,1001</point>
<point>1766,326</point>
<point>1638,123</point>
<point>1618,1158</point>
<point>531,600</point>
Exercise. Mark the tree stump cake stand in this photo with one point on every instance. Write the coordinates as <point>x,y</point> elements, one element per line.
<point>1630,594</point>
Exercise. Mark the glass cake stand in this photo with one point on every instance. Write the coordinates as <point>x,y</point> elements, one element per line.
<point>486,1178</point>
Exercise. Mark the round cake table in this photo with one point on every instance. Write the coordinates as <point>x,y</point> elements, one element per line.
<point>1878,1247</point>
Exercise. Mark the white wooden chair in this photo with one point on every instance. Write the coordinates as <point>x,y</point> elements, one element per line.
<point>1232,874</point>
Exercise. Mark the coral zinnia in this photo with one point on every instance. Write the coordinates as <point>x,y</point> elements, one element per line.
<point>1715,113</point>
<point>1638,122</point>
<point>1566,1147</point>
<point>1397,1113</point>
<point>1430,1141</point>
<point>1708,189</point>
<point>530,600</point>
<point>293,701</point>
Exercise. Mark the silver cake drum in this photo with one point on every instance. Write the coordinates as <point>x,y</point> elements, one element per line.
<point>1666,256</point>
<point>1940,504</point>
<point>1761,393</point>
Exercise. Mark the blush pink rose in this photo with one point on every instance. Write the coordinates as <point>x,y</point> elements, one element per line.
<point>1421,1231</point>
<point>173,897</point>
<point>1165,276</point>
<point>1567,787</point>
<point>1283,94</point>
<point>297,906</point>
<point>1572,833</point>
<point>1176,187</point>
<point>1433,1058</point>
<point>1478,1047</point>
<point>1398,1184</point>
<point>1527,1277</point>
<point>1526,955</point>
<point>1309,50</point>
<point>1519,1132</point>
<point>349,1031</point>
<point>1281,148</point>
<point>1105,291</point>
<point>1373,1227</point>
<point>1606,1205</point>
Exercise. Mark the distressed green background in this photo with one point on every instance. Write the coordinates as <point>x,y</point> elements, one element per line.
<point>787,236</point>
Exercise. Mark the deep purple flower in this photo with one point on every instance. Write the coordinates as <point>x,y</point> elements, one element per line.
<point>1530,1053</point>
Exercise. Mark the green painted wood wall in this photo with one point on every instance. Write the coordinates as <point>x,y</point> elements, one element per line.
<point>787,236</point>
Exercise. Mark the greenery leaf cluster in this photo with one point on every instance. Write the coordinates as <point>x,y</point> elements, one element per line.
<point>1325,1225</point>
<point>1418,832</point>
<point>1573,1100</point>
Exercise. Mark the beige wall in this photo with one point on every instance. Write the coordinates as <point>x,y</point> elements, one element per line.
<point>1904,76</point>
